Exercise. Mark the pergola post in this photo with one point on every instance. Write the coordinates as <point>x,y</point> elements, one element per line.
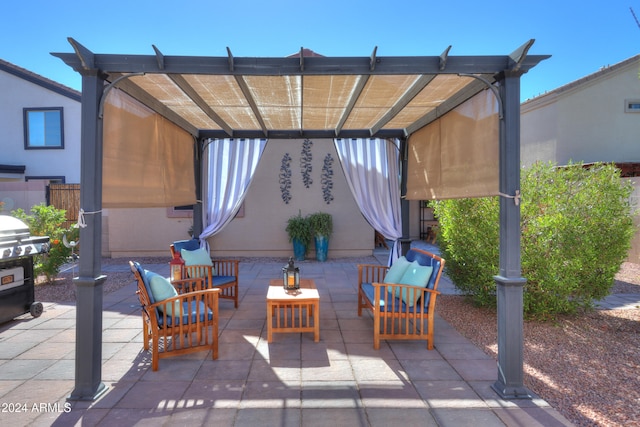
<point>89,289</point>
<point>510,282</point>
<point>405,241</point>
<point>198,161</point>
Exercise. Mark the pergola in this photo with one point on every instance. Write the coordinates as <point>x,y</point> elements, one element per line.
<point>301,96</point>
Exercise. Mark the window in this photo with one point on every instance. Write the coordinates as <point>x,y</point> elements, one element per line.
<point>180,212</point>
<point>43,128</point>
<point>632,106</point>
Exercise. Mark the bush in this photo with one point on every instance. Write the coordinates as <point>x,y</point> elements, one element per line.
<point>48,221</point>
<point>577,226</point>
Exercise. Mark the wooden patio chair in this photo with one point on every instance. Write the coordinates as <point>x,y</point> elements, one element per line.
<point>176,321</point>
<point>218,273</point>
<point>402,298</point>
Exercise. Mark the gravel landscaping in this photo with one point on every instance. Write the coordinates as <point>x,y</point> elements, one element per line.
<point>585,366</point>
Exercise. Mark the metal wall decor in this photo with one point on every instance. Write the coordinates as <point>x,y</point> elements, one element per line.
<point>305,163</point>
<point>327,178</point>
<point>285,178</point>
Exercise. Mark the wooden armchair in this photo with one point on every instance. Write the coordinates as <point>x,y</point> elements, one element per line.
<point>401,311</point>
<point>184,323</point>
<point>218,273</point>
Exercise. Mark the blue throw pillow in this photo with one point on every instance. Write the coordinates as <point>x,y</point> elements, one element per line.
<point>396,270</point>
<point>162,289</point>
<point>415,275</point>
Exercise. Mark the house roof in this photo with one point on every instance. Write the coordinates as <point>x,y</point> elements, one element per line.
<point>40,80</point>
<point>588,78</point>
<point>303,95</point>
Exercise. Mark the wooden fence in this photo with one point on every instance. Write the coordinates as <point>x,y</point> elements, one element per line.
<point>67,197</point>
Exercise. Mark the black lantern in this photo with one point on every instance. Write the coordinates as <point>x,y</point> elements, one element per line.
<point>291,276</point>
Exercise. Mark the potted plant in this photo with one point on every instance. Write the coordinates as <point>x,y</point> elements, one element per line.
<point>321,227</point>
<point>299,231</point>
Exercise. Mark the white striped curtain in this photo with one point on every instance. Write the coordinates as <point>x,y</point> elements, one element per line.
<point>371,168</point>
<point>231,163</point>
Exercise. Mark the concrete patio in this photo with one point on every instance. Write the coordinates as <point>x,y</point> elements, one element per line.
<point>293,381</point>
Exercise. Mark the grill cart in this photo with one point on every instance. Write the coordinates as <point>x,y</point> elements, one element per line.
<point>17,280</point>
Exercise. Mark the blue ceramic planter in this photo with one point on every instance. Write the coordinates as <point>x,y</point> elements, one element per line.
<point>299,250</point>
<point>322,247</point>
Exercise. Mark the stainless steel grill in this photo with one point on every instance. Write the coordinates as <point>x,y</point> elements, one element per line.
<point>16,241</point>
<point>17,249</point>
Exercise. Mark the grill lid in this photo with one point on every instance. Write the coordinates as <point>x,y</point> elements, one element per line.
<point>16,241</point>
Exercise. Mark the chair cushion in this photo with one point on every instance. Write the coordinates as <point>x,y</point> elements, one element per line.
<point>222,280</point>
<point>189,314</point>
<point>145,280</point>
<point>415,275</point>
<point>396,270</point>
<point>162,289</point>
<point>190,245</point>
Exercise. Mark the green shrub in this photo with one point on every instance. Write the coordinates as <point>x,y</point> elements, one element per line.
<point>47,221</point>
<point>577,226</point>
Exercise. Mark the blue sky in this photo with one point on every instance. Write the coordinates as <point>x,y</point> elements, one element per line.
<point>581,36</point>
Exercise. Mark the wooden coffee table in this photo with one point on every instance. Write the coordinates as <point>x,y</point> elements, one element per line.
<point>294,310</point>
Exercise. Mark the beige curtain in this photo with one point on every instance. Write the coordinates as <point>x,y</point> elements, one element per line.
<point>457,155</point>
<point>147,160</point>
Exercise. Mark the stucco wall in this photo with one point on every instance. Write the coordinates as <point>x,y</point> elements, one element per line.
<point>585,121</point>
<point>141,232</point>
<point>261,231</point>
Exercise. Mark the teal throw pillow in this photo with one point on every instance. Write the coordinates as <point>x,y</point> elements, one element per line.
<point>197,257</point>
<point>415,275</point>
<point>397,270</point>
<point>162,289</point>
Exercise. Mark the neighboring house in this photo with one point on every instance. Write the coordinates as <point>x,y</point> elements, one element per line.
<point>593,119</point>
<point>40,138</point>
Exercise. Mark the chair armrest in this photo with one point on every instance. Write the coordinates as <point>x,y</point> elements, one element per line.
<point>188,284</point>
<point>369,273</point>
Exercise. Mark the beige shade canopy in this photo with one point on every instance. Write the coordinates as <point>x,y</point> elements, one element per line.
<point>303,95</point>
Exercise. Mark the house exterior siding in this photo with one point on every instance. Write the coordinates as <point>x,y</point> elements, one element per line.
<point>21,89</point>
